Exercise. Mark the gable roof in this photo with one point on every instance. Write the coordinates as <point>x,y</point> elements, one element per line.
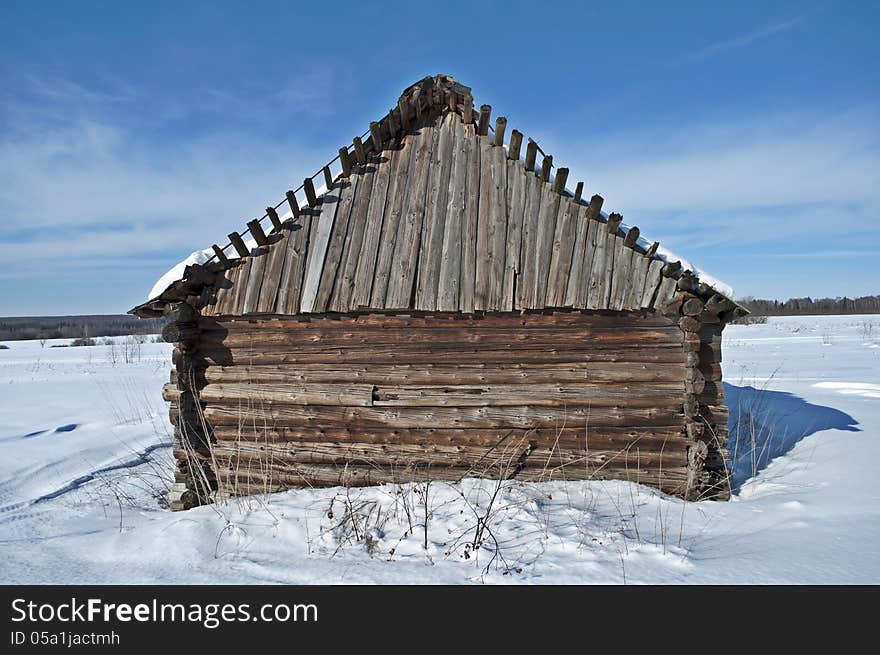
<point>433,213</point>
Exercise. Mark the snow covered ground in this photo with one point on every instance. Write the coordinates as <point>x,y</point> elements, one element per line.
<point>84,438</point>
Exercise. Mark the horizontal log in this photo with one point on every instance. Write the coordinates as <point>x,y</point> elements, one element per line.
<point>413,355</point>
<point>628,320</point>
<point>363,395</point>
<point>469,334</point>
<point>231,455</point>
<point>465,373</point>
<point>669,480</point>
<point>441,417</point>
<point>654,436</point>
<point>292,394</point>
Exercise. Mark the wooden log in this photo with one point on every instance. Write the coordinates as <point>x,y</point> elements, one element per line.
<point>485,116</point>
<point>238,243</point>
<point>652,250</point>
<point>522,417</point>
<point>309,188</point>
<point>404,113</point>
<point>257,232</point>
<point>560,180</point>
<point>588,438</point>
<point>607,373</point>
<point>271,456</point>
<point>515,145</point>
<point>693,306</point>
<point>632,237</point>
<point>328,178</point>
<point>376,136</point>
<point>360,153</point>
<point>578,192</point>
<point>546,165</point>
<point>220,255</point>
<point>293,202</point>
<point>500,126</point>
<point>531,155</point>
<point>275,220</point>
<point>345,161</point>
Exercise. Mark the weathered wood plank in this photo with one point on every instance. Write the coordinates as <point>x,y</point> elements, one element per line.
<point>467,279</point>
<point>293,267</point>
<point>366,263</point>
<point>272,274</point>
<point>652,282</point>
<point>240,288</point>
<point>564,241</point>
<point>546,228</point>
<point>347,190</point>
<point>256,268</point>
<point>434,227</point>
<point>317,252</point>
<point>404,267</point>
<point>528,260</point>
<point>491,229</point>
<point>343,290</point>
<point>623,257</point>
<point>450,263</point>
<point>516,205</point>
<point>394,208</point>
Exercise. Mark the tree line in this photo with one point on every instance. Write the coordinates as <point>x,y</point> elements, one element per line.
<point>807,306</point>
<point>73,327</point>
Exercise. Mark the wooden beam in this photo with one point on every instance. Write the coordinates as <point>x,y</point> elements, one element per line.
<point>257,232</point>
<point>595,207</point>
<point>345,161</point>
<point>513,149</point>
<point>309,188</point>
<point>393,122</point>
<point>578,192</point>
<point>294,203</point>
<point>500,126</point>
<point>546,165</point>
<point>485,115</point>
<point>328,178</point>
<point>238,243</point>
<point>273,216</point>
<point>614,221</point>
<point>467,112</point>
<point>560,180</point>
<point>359,153</point>
<point>531,155</point>
<point>632,237</point>
<point>376,135</point>
<point>652,250</point>
<point>221,256</point>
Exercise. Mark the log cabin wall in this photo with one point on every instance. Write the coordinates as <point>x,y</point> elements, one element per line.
<point>366,399</point>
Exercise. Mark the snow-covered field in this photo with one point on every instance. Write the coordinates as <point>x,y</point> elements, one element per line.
<point>85,457</point>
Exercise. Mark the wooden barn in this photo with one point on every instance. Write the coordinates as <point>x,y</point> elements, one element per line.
<point>442,306</point>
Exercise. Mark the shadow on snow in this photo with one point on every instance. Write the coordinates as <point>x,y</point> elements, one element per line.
<point>766,424</point>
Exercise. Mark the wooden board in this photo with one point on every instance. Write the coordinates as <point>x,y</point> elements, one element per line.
<point>450,263</point>
<point>516,205</point>
<point>467,279</point>
<point>434,227</point>
<point>404,266</point>
<point>491,227</point>
<point>318,245</point>
<point>564,241</point>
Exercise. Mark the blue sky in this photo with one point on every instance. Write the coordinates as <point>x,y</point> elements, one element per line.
<point>743,136</point>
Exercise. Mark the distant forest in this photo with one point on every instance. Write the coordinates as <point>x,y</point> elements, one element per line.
<point>72,327</point>
<point>805,306</point>
<point>111,325</point>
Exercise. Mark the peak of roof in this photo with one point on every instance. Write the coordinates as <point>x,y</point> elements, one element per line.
<point>495,181</point>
